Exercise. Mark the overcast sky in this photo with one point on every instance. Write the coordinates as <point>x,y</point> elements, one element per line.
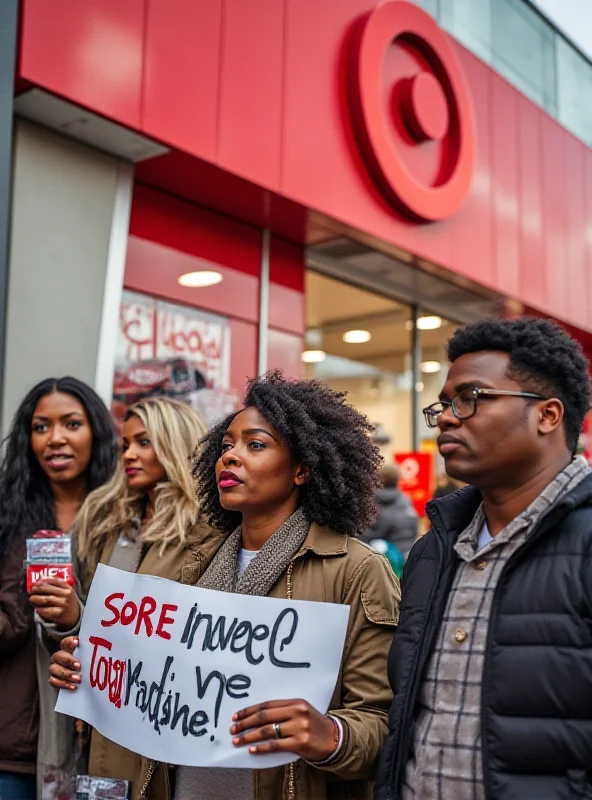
<point>573,18</point>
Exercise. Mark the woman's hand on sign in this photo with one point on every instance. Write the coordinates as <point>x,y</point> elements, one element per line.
<point>55,601</point>
<point>302,730</point>
<point>64,670</point>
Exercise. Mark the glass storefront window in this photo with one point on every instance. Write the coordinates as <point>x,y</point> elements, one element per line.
<point>375,372</point>
<point>527,50</point>
<point>574,90</point>
<point>360,342</point>
<point>469,21</point>
<point>166,349</point>
<point>523,51</point>
<point>431,6</point>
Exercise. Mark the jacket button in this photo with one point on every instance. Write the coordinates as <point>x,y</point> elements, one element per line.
<point>460,635</point>
<point>480,564</point>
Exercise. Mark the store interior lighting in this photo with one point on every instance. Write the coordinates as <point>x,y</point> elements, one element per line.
<point>431,366</point>
<point>429,323</point>
<point>200,279</point>
<point>313,356</point>
<point>357,337</point>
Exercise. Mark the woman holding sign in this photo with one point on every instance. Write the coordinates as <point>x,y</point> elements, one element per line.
<point>289,480</point>
<point>292,478</point>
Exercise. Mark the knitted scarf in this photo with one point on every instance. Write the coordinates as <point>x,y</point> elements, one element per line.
<point>265,569</point>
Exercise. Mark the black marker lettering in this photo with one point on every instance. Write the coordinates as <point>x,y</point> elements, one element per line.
<point>285,641</point>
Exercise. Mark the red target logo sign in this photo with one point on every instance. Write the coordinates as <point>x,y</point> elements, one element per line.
<point>412,111</point>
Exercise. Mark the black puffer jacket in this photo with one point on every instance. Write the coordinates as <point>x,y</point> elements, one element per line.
<point>537,679</point>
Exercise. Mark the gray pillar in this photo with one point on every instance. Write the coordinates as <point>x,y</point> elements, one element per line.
<point>8,45</point>
<point>70,217</point>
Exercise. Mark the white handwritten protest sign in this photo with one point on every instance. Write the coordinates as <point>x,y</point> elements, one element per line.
<point>165,666</point>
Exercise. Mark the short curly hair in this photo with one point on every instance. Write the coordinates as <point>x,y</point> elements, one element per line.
<point>544,359</point>
<point>323,433</point>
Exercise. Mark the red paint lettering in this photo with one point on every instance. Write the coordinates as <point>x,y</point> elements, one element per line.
<point>147,607</point>
<point>96,642</point>
<point>106,672</point>
<point>164,620</point>
<point>128,613</point>
<point>115,611</point>
<point>142,616</point>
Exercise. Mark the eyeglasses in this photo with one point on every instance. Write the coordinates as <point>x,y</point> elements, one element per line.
<point>464,405</point>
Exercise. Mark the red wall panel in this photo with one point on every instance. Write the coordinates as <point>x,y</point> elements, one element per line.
<point>471,229</point>
<point>182,72</point>
<point>195,230</point>
<point>260,88</point>
<point>155,269</point>
<point>533,283</point>
<point>169,237</point>
<point>91,52</point>
<point>286,286</point>
<point>577,276</point>
<point>555,263</point>
<point>505,186</point>
<point>251,89</point>
<point>588,232</point>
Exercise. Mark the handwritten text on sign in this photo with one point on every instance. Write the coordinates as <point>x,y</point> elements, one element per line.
<point>165,666</point>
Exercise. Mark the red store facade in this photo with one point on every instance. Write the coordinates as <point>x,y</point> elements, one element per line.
<point>335,166</point>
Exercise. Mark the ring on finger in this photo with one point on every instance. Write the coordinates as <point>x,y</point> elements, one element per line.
<point>276,730</point>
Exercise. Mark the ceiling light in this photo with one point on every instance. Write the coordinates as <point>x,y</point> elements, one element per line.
<point>431,366</point>
<point>313,356</point>
<point>357,337</point>
<point>429,323</point>
<point>205,277</point>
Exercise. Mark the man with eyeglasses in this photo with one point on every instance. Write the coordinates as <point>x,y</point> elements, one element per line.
<point>491,665</point>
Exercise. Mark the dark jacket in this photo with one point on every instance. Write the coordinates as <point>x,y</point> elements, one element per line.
<point>536,687</point>
<point>19,705</point>
<point>396,521</point>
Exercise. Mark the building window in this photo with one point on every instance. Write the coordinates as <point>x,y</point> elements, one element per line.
<point>431,6</point>
<point>574,90</point>
<point>469,21</point>
<point>523,49</point>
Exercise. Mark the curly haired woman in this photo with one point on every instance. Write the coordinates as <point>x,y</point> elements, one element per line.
<point>288,481</point>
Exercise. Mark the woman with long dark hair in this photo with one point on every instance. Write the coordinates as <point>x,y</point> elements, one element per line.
<point>61,447</point>
<point>288,481</point>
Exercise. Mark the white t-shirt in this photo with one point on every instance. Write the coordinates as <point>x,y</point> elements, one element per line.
<point>484,537</point>
<point>244,559</point>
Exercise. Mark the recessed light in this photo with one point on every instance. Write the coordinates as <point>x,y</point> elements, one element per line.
<point>195,280</point>
<point>357,337</point>
<point>429,323</point>
<point>431,366</point>
<point>313,356</point>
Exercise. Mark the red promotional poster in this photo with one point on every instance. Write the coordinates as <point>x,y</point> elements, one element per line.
<point>416,478</point>
<point>39,572</point>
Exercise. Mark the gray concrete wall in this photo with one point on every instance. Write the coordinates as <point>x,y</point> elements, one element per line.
<point>64,196</point>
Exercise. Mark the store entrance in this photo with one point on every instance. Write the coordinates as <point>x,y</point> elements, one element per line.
<point>361,342</point>
<point>377,327</point>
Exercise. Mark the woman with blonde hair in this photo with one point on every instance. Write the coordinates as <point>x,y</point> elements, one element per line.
<point>151,498</point>
<point>142,521</point>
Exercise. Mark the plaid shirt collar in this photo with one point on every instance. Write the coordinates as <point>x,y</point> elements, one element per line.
<point>561,485</point>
